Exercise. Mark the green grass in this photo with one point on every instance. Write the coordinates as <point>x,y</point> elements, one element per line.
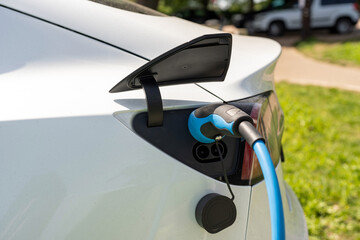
<point>347,53</point>
<point>322,152</point>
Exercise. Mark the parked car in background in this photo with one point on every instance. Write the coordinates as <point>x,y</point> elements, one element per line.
<point>79,162</point>
<point>337,15</point>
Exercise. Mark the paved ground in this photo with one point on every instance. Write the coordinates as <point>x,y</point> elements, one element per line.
<point>297,68</point>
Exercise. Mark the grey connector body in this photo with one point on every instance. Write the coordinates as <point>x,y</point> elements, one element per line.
<point>249,133</point>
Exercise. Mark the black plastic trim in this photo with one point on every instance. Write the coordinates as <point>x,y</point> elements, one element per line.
<point>153,101</point>
<point>174,138</point>
<point>282,156</point>
<point>204,59</point>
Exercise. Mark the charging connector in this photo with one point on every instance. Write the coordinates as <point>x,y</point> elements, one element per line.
<point>209,123</point>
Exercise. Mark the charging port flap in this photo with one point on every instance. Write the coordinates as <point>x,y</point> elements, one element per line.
<point>204,59</point>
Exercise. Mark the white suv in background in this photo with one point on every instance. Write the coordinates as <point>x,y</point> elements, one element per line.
<point>338,15</point>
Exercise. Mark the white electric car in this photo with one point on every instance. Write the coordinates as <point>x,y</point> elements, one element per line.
<point>80,162</point>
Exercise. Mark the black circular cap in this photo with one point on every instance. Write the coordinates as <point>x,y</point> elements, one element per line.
<point>215,212</point>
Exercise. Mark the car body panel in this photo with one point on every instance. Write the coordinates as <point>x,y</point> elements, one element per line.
<point>111,24</point>
<point>248,74</point>
<point>154,41</point>
<point>259,213</point>
<point>65,159</point>
<point>94,186</point>
<point>69,168</point>
<point>57,73</point>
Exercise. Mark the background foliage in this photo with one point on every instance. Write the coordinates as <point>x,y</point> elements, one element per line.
<point>322,152</point>
<point>344,53</point>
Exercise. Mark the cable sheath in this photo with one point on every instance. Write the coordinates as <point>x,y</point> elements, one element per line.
<point>273,190</point>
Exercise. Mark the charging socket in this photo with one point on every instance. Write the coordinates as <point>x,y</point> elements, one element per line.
<point>206,153</point>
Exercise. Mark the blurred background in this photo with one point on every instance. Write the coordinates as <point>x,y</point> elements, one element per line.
<point>317,81</point>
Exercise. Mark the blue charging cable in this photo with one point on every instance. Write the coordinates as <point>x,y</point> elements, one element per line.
<point>211,121</point>
<point>273,190</point>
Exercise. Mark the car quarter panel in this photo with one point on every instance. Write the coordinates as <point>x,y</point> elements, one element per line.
<point>112,25</point>
<point>259,212</point>
<point>68,168</point>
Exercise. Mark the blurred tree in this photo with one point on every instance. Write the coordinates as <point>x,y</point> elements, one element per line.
<point>149,3</point>
<point>241,6</point>
<point>172,6</point>
<point>251,6</point>
<point>205,4</point>
<point>306,13</point>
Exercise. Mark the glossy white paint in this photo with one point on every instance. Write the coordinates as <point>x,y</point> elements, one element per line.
<point>114,25</point>
<point>56,73</point>
<point>92,178</point>
<point>259,213</point>
<point>68,167</point>
<point>251,69</point>
<point>253,59</point>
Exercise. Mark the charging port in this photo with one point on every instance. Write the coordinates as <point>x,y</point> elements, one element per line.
<point>206,153</point>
